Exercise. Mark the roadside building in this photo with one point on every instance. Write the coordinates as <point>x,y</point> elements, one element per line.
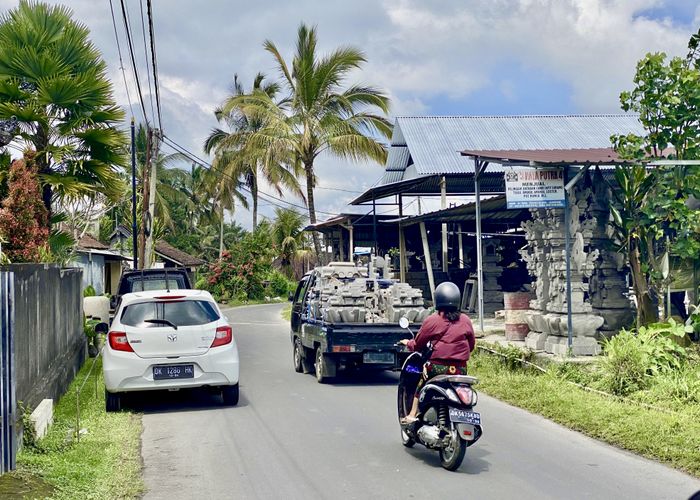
<point>101,266</point>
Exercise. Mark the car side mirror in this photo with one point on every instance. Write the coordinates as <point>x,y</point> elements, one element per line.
<point>113,302</point>
<point>290,296</point>
<point>101,328</point>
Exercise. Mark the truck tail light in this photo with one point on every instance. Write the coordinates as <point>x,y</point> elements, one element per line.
<point>342,348</point>
<point>224,335</point>
<point>119,342</point>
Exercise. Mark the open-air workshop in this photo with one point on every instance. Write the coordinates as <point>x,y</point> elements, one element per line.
<point>529,242</point>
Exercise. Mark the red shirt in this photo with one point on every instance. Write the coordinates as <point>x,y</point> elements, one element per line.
<point>452,342</point>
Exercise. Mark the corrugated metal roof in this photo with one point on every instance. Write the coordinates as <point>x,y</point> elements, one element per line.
<point>391,176</point>
<point>397,158</point>
<point>571,157</point>
<point>493,209</point>
<point>434,142</point>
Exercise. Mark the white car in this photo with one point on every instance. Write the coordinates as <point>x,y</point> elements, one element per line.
<point>169,340</point>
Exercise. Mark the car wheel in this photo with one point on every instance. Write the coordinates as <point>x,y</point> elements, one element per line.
<point>323,367</point>
<point>298,356</point>
<point>230,395</point>
<point>113,402</point>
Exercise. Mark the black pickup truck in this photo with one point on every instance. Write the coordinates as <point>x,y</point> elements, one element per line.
<point>325,348</point>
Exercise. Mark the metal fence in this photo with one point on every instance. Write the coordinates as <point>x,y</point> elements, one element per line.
<point>8,406</point>
<point>42,344</point>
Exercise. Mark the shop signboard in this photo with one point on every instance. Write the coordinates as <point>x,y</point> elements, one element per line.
<point>534,188</point>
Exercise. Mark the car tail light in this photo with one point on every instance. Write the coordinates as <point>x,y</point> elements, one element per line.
<point>466,394</point>
<point>224,335</point>
<point>119,342</point>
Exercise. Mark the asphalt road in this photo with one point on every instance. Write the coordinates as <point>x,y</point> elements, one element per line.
<point>291,437</point>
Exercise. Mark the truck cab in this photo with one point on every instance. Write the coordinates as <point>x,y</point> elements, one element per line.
<point>344,319</point>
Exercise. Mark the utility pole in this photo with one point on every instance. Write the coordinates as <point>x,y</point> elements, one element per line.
<point>153,164</point>
<point>133,193</point>
<point>145,191</point>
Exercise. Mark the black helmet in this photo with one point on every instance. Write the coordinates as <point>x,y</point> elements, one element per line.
<point>447,296</point>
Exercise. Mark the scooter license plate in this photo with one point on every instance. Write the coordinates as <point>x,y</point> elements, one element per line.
<point>465,417</point>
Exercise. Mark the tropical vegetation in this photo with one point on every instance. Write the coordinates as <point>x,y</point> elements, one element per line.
<point>54,82</point>
<point>656,218</point>
<point>240,161</point>
<point>318,114</point>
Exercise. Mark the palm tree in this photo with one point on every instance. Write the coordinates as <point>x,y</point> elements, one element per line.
<point>225,192</point>
<point>53,80</point>
<point>288,236</point>
<point>239,159</point>
<point>319,114</point>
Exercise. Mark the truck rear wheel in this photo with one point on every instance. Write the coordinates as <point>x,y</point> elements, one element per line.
<point>325,367</point>
<point>298,356</point>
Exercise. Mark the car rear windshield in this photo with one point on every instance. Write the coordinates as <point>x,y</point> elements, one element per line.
<point>179,313</point>
<point>145,283</point>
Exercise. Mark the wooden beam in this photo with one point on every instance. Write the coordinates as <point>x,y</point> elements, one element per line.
<point>461,247</point>
<point>402,244</point>
<point>428,263</point>
<point>443,206</point>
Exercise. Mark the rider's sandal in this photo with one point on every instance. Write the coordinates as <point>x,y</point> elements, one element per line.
<point>408,420</point>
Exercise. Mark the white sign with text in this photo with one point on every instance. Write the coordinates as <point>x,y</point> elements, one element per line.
<point>534,187</point>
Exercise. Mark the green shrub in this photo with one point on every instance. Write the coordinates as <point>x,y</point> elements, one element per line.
<point>89,291</point>
<point>632,357</point>
<point>279,285</point>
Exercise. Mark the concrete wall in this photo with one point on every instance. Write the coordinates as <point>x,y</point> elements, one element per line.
<point>49,342</point>
<point>93,267</point>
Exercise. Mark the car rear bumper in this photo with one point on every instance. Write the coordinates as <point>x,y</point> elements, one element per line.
<point>125,371</point>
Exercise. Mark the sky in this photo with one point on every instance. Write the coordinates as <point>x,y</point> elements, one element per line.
<point>432,57</point>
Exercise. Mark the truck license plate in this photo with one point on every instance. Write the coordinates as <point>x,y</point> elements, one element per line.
<point>164,372</point>
<point>379,357</point>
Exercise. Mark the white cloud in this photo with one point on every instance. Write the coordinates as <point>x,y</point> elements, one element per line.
<point>418,51</point>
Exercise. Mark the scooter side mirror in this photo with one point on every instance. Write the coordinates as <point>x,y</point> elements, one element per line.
<point>403,322</point>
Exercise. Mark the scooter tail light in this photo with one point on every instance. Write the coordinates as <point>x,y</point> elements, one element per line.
<point>466,395</point>
<point>119,342</point>
<point>223,336</point>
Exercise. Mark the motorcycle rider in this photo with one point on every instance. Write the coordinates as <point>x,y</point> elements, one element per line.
<point>452,337</point>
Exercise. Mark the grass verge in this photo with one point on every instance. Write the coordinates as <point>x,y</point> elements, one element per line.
<point>287,312</point>
<point>104,464</point>
<point>672,438</point>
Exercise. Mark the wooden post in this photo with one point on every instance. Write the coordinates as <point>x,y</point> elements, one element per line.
<point>461,247</point>
<point>402,255</point>
<point>341,244</point>
<point>351,251</point>
<point>402,244</point>
<point>428,263</point>
<point>443,206</point>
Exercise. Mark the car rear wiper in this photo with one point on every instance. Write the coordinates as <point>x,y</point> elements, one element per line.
<point>161,322</point>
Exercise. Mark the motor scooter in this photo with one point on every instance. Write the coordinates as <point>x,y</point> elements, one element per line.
<point>446,420</point>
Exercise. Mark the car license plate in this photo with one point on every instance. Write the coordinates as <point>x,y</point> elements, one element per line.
<point>164,372</point>
<point>465,417</point>
<point>379,357</point>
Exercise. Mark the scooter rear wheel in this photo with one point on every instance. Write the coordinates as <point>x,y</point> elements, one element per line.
<point>452,456</point>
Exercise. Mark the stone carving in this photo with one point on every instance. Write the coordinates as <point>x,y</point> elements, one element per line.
<point>599,301</point>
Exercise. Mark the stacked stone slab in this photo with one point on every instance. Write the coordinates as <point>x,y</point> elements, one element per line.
<point>343,293</point>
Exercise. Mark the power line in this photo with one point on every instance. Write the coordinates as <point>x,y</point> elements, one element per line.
<point>155,62</point>
<point>121,62</point>
<point>133,59</point>
<point>265,196</point>
<point>145,53</point>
